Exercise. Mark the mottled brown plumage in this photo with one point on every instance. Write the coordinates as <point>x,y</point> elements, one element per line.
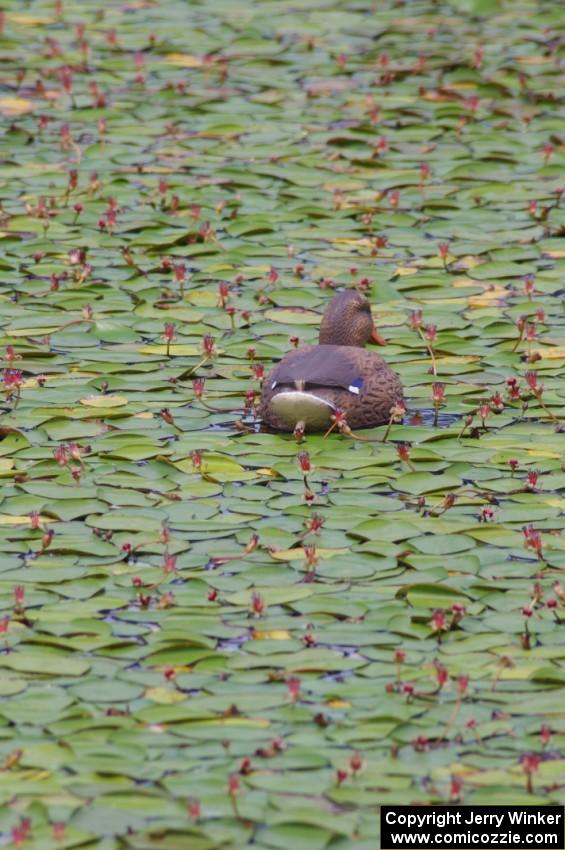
<point>309,384</point>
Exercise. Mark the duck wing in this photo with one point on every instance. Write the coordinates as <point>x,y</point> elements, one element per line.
<point>320,366</point>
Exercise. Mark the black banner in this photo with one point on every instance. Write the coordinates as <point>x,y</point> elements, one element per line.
<point>472,827</point>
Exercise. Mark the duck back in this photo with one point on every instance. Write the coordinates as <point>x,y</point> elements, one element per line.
<point>310,384</point>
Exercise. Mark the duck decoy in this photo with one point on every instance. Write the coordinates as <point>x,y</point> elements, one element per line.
<point>309,384</point>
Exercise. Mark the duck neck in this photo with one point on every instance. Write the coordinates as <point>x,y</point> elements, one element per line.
<point>335,330</point>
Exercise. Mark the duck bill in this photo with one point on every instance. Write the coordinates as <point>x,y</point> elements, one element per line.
<point>376,337</point>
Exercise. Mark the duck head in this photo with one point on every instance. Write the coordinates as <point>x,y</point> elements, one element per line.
<point>347,320</point>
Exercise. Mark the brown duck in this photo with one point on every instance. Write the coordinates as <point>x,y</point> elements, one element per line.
<point>311,383</point>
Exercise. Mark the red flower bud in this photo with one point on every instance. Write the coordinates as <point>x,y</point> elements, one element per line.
<point>356,763</point>
<point>462,684</point>
<point>34,519</point>
<point>169,563</point>
<point>455,787</point>
<point>66,77</point>
<point>198,387</point>
<point>403,451</point>
<point>180,273</point>
<point>438,621</point>
<point>208,345</point>
<point>545,734</point>
<point>58,830</point>
<point>21,832</point>
<point>194,809</point>
<point>442,675</point>
<point>12,378</point>
<point>438,393</point>
<point>530,762</point>
<point>314,523</point>
<point>293,684</point>
<point>484,410</point>
<point>311,555</point>
<point>532,539</point>
<point>472,103</point>
<point>258,604</point>
<point>304,462</point>
<point>425,171</point>
<point>47,538</point>
<point>421,744</point>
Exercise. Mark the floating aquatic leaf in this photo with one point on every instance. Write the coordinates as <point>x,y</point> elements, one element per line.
<point>104,401</point>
